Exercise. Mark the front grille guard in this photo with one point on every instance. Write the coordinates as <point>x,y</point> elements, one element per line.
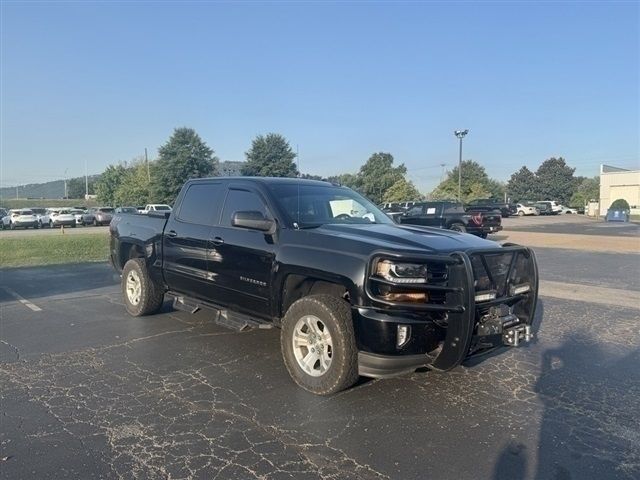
<point>459,293</point>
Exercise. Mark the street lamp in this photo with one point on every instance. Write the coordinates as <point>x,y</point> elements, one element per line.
<point>460,134</point>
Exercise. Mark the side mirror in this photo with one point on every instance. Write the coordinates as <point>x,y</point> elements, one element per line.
<point>253,220</point>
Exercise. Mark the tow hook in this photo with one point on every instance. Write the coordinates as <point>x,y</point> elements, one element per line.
<point>514,335</point>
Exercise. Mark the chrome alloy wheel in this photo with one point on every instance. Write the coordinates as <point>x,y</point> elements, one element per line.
<point>312,345</point>
<point>133,287</point>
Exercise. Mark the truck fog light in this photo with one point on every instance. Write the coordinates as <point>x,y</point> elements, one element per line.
<point>485,296</point>
<point>404,333</point>
<point>518,289</point>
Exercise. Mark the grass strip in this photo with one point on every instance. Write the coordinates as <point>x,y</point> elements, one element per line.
<point>53,249</point>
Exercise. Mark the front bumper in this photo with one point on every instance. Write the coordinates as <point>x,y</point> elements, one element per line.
<point>455,326</point>
<point>66,223</point>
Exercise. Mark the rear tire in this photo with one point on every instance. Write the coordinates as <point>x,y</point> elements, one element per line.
<point>142,295</point>
<point>336,367</point>
<point>95,222</point>
<point>458,227</point>
<point>521,213</point>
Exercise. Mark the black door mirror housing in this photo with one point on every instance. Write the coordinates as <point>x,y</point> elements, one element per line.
<point>253,220</point>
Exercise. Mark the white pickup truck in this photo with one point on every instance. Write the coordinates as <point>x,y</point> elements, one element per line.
<point>155,207</point>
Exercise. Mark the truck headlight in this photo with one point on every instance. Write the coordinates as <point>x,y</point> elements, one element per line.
<point>402,272</point>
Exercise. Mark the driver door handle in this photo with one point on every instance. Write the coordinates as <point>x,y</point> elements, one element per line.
<point>172,233</point>
<point>217,240</point>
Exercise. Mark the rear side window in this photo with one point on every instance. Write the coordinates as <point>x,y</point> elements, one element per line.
<point>241,201</point>
<point>201,204</point>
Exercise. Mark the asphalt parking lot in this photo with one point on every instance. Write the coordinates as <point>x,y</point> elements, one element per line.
<point>88,392</point>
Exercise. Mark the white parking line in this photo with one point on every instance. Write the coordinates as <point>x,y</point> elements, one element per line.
<point>22,300</point>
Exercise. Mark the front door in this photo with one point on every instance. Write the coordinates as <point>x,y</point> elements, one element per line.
<point>243,257</point>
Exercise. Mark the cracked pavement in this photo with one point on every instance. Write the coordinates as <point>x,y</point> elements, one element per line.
<point>88,392</point>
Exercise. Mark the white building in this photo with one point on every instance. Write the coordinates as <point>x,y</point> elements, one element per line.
<point>618,183</point>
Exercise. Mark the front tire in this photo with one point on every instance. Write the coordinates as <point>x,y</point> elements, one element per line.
<point>95,222</point>
<point>521,213</point>
<point>142,295</point>
<point>318,344</point>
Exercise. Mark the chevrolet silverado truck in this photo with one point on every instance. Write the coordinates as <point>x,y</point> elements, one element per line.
<point>352,294</point>
<point>453,216</point>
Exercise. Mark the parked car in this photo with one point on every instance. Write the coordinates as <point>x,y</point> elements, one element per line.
<point>544,208</point>
<point>554,207</point>
<point>394,212</point>
<point>568,210</point>
<point>453,216</point>
<point>353,295</point>
<point>155,207</point>
<point>57,217</point>
<point>126,210</point>
<point>523,210</point>
<point>19,218</point>
<point>39,212</point>
<point>77,213</point>
<point>98,216</point>
<point>492,204</point>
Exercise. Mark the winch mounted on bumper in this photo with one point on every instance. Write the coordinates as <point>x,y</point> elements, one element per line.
<point>470,302</point>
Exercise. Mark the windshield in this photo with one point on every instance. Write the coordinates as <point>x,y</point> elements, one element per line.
<point>106,210</point>
<point>162,207</point>
<point>309,206</point>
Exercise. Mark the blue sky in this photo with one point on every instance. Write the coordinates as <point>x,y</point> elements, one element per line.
<point>99,82</point>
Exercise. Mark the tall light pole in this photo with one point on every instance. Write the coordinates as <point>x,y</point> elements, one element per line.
<point>65,182</point>
<point>460,134</point>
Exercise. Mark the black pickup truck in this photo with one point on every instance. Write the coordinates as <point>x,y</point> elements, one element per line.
<point>492,205</point>
<point>452,216</point>
<point>353,292</point>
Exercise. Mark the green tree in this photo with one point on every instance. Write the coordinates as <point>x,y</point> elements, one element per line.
<point>522,185</point>
<point>402,190</point>
<point>377,175</point>
<point>555,180</point>
<point>134,188</point>
<point>345,179</point>
<point>270,156</point>
<point>184,156</point>
<point>588,189</point>
<point>308,176</point>
<point>76,186</point>
<point>109,182</point>
<point>475,184</point>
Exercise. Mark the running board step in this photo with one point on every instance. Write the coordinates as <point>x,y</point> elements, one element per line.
<point>239,322</point>
<point>229,319</point>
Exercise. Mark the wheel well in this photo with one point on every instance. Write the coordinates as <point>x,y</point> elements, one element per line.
<point>129,251</point>
<point>298,286</point>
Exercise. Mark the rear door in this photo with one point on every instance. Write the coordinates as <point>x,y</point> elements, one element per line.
<point>242,258</point>
<point>187,238</point>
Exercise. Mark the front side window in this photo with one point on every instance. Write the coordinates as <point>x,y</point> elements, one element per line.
<point>241,201</point>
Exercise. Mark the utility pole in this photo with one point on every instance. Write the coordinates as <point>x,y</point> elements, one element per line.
<point>146,160</point>
<point>460,134</point>
<point>65,182</point>
<point>442,174</point>
<point>86,180</point>
<point>17,192</point>
<point>298,160</point>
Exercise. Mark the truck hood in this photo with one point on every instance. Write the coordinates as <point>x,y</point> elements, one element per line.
<point>406,237</point>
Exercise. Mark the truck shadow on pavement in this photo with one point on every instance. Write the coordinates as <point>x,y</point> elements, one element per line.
<point>578,382</point>
<point>35,283</point>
